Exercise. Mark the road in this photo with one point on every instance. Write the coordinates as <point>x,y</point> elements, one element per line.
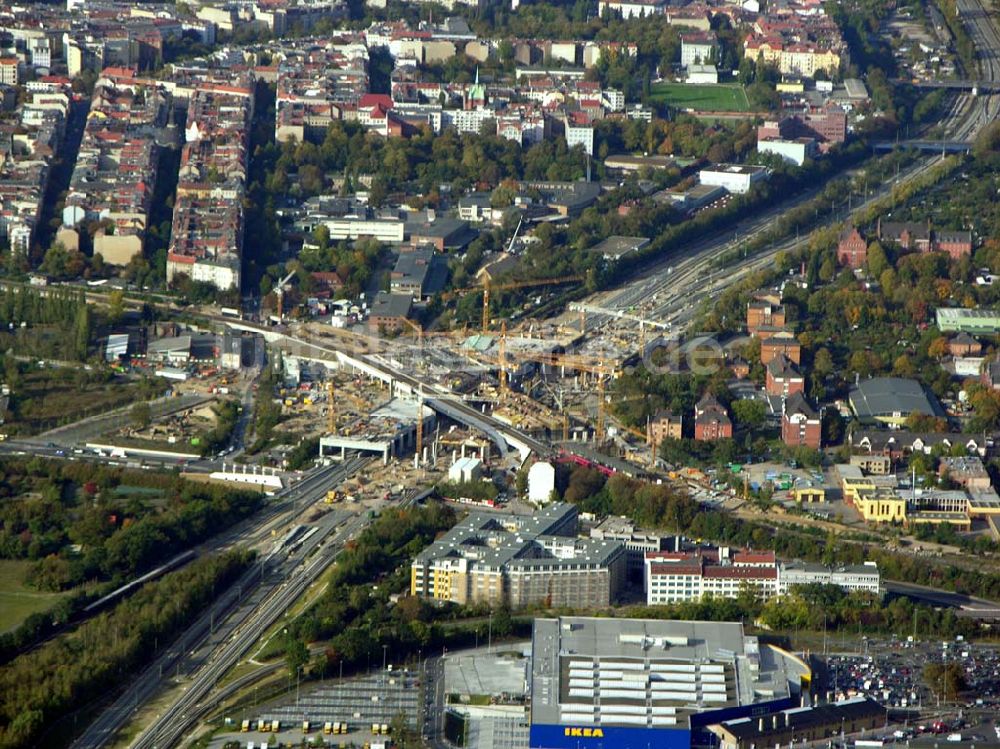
<point>980,608</point>
<point>223,633</point>
<point>171,725</point>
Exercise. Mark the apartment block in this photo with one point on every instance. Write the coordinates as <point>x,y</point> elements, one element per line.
<point>207,239</point>
<point>116,170</point>
<point>520,560</point>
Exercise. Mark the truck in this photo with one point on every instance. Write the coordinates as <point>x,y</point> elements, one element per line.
<point>956,737</point>
<point>328,728</point>
<point>376,728</point>
<point>385,729</point>
<point>332,496</point>
<point>343,727</point>
<point>305,726</point>
<point>275,726</point>
<point>245,726</point>
<point>262,725</point>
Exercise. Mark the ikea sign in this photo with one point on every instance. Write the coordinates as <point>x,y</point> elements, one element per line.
<point>584,733</point>
<point>561,736</point>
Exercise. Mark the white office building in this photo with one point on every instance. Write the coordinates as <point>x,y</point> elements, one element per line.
<point>736,178</point>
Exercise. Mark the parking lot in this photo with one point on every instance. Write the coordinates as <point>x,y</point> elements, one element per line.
<point>376,698</point>
<point>892,673</point>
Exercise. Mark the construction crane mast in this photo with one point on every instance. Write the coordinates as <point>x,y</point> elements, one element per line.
<point>279,290</point>
<point>420,426</point>
<point>331,416</point>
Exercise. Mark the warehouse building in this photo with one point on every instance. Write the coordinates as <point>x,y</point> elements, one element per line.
<point>890,400</point>
<point>641,683</point>
<point>974,321</point>
<point>520,560</point>
<point>802,725</point>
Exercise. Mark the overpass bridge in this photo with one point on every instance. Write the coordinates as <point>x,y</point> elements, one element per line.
<point>378,364</point>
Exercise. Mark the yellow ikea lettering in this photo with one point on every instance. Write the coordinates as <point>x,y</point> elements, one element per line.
<point>584,733</point>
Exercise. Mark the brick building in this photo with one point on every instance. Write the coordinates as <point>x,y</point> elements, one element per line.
<point>801,425</point>
<point>782,378</point>
<point>956,243</point>
<point>764,312</point>
<point>711,422</point>
<point>852,249</point>
<point>784,343</point>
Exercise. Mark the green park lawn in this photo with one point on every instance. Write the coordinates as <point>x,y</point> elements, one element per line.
<point>17,601</point>
<point>723,97</point>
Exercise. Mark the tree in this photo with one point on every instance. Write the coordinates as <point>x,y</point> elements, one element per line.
<point>296,655</point>
<point>82,332</point>
<point>938,348</point>
<point>877,260</point>
<point>828,269</point>
<point>749,413</point>
<point>823,362</point>
<point>116,306</point>
<point>946,681</point>
<point>141,415</point>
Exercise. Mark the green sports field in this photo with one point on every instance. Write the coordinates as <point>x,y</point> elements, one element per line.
<point>17,601</point>
<point>722,97</point>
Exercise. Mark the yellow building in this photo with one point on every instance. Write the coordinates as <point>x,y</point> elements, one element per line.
<point>879,505</point>
<point>798,59</point>
<point>816,494</point>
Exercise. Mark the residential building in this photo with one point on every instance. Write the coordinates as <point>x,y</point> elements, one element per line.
<point>664,425</point>
<point>964,345</point>
<point>9,70</point>
<point>520,560</point>
<point>206,241</point>
<point>956,243</point>
<point>578,128</point>
<point>801,424</point>
<point>632,8</point>
<point>781,343</point>
<point>766,311</point>
<point>699,48</point>
<point>908,235</point>
<point>711,421</point>
<point>782,378</point>
<point>116,167</point>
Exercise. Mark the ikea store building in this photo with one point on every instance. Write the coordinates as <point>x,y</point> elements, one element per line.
<point>651,684</point>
